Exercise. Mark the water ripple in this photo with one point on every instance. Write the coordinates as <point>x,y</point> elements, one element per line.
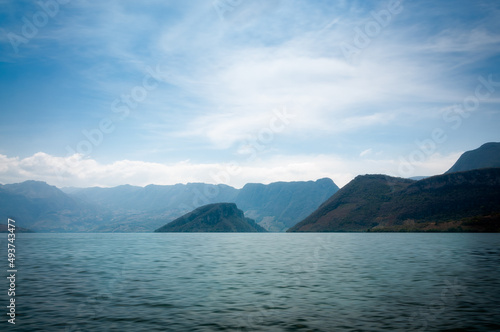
<point>257,282</point>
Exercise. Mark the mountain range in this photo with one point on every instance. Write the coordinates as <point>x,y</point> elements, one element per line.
<point>465,198</point>
<point>4,228</point>
<point>44,208</point>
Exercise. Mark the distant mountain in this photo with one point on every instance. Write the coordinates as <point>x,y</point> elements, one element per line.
<point>4,228</point>
<point>44,208</point>
<point>280,205</point>
<point>143,209</point>
<point>276,206</point>
<point>417,178</point>
<point>463,201</point>
<point>160,198</point>
<point>486,156</point>
<point>219,217</point>
<point>41,207</point>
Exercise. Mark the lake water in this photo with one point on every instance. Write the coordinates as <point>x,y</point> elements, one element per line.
<point>254,282</point>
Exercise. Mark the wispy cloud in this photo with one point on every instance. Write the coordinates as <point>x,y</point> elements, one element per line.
<point>222,78</point>
<point>77,171</point>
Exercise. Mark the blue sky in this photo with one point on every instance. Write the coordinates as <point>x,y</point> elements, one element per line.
<point>237,91</point>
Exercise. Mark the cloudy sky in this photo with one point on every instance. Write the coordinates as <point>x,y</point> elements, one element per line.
<point>102,93</point>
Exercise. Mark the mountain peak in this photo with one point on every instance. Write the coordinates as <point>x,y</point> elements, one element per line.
<point>33,189</point>
<point>486,156</point>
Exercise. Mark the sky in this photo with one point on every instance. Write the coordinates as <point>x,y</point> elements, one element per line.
<point>104,93</point>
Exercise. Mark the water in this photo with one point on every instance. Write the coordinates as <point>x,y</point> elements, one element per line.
<point>255,282</point>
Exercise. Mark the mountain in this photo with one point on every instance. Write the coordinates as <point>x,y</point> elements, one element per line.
<point>143,209</point>
<point>219,217</point>
<point>462,201</point>
<point>486,156</point>
<point>44,208</point>
<point>41,207</point>
<point>181,197</point>
<point>416,178</point>
<point>355,206</point>
<point>280,205</point>
<point>276,206</point>
<point>4,228</point>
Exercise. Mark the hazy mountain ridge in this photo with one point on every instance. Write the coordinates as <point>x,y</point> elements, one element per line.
<point>156,197</point>
<point>41,207</point>
<point>277,206</point>
<point>463,201</point>
<point>126,208</point>
<point>486,156</point>
<point>453,201</point>
<point>285,202</point>
<point>218,217</point>
<point>4,228</point>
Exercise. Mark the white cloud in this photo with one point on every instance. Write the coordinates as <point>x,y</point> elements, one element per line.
<point>80,172</point>
<point>327,94</point>
<point>223,79</point>
<point>239,84</point>
<point>366,152</point>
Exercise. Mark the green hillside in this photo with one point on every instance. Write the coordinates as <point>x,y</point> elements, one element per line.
<point>463,201</point>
